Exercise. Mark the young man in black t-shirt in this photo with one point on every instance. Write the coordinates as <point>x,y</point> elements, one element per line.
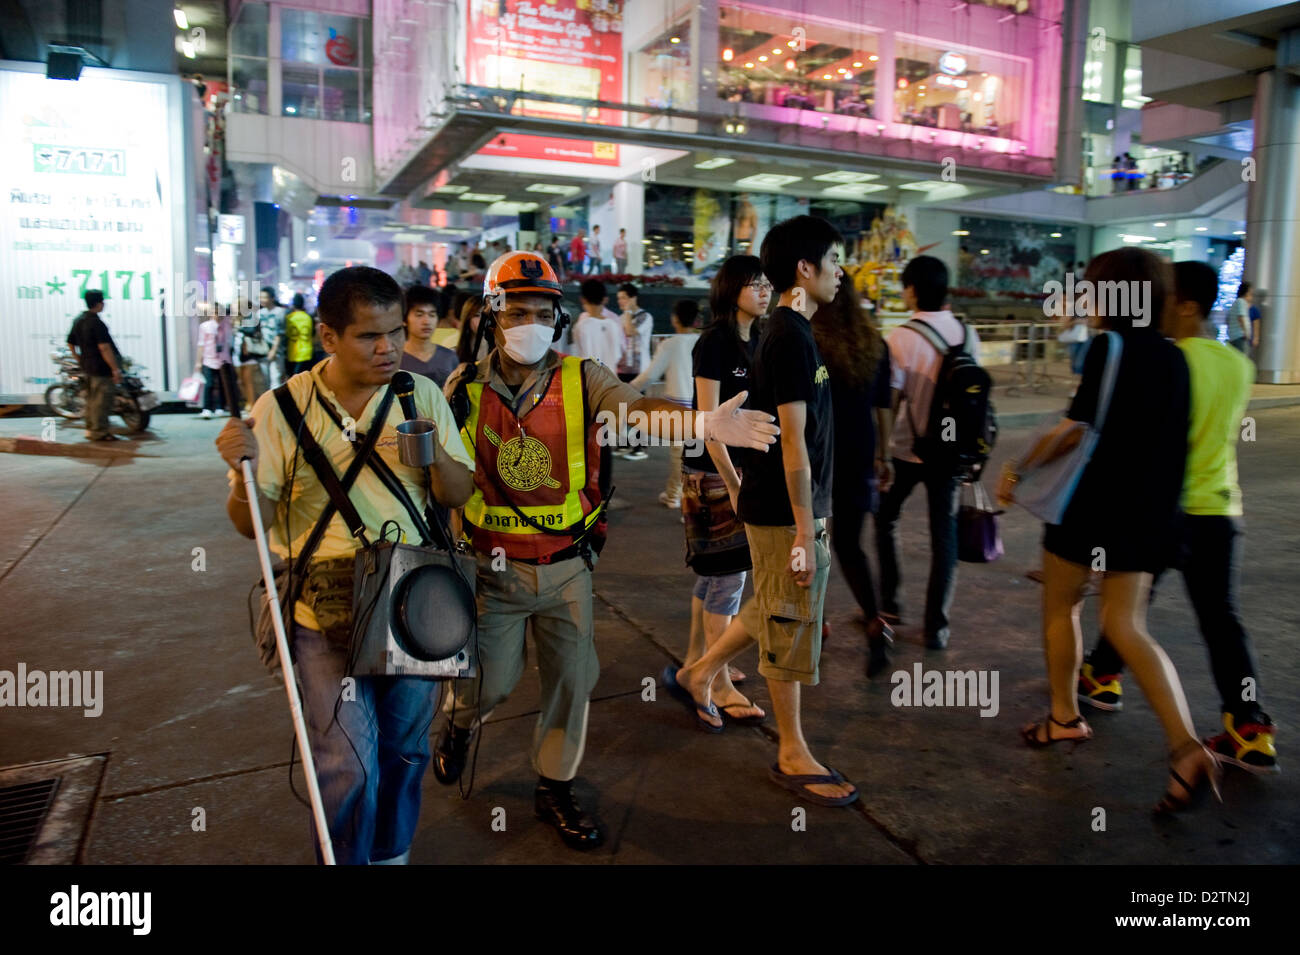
<point>94,348</point>
<point>785,499</point>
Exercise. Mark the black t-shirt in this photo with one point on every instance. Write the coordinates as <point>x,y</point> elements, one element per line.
<point>88,333</point>
<point>855,436</point>
<point>788,368</point>
<point>1127,499</point>
<point>727,359</point>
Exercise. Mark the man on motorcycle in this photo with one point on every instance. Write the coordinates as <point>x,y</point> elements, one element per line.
<point>95,350</point>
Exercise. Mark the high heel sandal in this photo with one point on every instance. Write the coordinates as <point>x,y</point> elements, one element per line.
<point>1193,793</point>
<point>1030,733</point>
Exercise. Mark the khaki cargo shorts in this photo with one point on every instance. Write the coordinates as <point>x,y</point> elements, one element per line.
<point>785,618</point>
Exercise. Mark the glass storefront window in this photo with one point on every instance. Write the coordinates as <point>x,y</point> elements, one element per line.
<point>248,34</point>
<point>309,37</point>
<point>325,71</point>
<point>760,60</point>
<point>1001,256</point>
<point>664,68</point>
<point>248,85</point>
<point>341,97</point>
<point>248,59</point>
<point>978,93</point>
<point>300,91</point>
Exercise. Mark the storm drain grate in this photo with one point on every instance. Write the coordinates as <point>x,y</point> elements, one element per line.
<point>22,811</point>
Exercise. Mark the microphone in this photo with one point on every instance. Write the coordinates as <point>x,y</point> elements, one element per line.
<point>403,386</point>
<point>415,435</point>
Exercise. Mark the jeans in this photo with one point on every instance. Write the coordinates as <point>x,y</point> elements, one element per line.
<point>941,488</point>
<point>370,758</point>
<point>620,266</point>
<point>1210,559</point>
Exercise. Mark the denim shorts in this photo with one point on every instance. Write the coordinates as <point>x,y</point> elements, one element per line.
<point>720,594</point>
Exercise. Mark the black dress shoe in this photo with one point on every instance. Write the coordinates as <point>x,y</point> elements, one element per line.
<point>577,829</point>
<point>450,753</point>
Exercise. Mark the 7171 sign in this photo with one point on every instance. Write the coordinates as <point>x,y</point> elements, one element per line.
<point>124,278</point>
<point>79,159</point>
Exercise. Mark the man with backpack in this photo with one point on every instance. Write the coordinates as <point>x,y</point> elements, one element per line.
<point>942,435</point>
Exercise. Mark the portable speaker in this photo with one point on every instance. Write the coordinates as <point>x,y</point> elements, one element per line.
<point>418,613</point>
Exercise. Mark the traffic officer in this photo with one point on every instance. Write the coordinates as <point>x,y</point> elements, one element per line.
<point>534,421</point>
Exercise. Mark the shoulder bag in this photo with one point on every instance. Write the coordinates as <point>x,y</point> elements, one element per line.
<point>1046,489</point>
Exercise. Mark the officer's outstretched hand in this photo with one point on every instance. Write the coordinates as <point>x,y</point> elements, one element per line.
<point>737,427</point>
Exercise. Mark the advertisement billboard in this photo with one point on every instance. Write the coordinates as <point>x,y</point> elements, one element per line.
<point>86,204</point>
<point>557,47</point>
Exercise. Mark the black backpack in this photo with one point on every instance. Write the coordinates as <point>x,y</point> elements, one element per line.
<point>963,426</point>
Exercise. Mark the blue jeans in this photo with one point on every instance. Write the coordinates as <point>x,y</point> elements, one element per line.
<point>370,759</point>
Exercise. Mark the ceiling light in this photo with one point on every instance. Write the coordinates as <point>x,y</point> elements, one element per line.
<point>873,58</point>
<point>481,197</point>
<point>790,44</point>
<point>749,66</point>
<point>675,39</point>
<point>852,190</point>
<point>844,175</point>
<point>841,70</point>
<point>1240,232</point>
<point>961,232</point>
<point>182,21</point>
<point>790,64</point>
<point>857,64</point>
<point>311,238</point>
<point>451,190</point>
<point>826,76</point>
<point>984,251</point>
<point>552,189</point>
<point>291,109</point>
<point>776,52</point>
<point>1161,225</point>
<point>187,47</point>
<point>313,255</point>
<point>762,59</point>
<point>1201,228</point>
<point>717,162</point>
<point>728,53</point>
<point>1056,235</point>
<point>767,180</point>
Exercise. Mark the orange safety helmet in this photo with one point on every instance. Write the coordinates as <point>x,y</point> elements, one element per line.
<point>521,272</point>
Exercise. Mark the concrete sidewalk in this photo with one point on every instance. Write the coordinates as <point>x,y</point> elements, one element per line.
<point>97,571</point>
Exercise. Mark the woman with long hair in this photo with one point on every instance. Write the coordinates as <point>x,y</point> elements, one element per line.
<point>1122,515</point>
<point>716,546</point>
<point>858,362</point>
<point>470,310</point>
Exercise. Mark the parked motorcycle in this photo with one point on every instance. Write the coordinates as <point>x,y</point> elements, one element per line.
<point>132,401</point>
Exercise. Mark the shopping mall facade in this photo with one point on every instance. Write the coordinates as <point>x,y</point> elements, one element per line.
<point>1011,138</point>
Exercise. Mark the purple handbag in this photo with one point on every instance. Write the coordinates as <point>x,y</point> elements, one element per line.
<point>978,540</point>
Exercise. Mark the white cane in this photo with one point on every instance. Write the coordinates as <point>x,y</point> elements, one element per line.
<point>286,666</point>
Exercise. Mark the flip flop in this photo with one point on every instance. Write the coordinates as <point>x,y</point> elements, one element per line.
<point>799,785</point>
<point>726,709</point>
<point>683,696</point>
<point>737,677</point>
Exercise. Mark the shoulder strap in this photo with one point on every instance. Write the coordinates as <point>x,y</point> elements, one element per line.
<point>1116,348</point>
<point>927,331</point>
<point>381,469</point>
<point>324,468</point>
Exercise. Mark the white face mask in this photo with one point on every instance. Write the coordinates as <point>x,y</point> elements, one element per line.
<point>526,344</point>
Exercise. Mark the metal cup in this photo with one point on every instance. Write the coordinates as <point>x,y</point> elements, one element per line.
<point>415,442</point>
